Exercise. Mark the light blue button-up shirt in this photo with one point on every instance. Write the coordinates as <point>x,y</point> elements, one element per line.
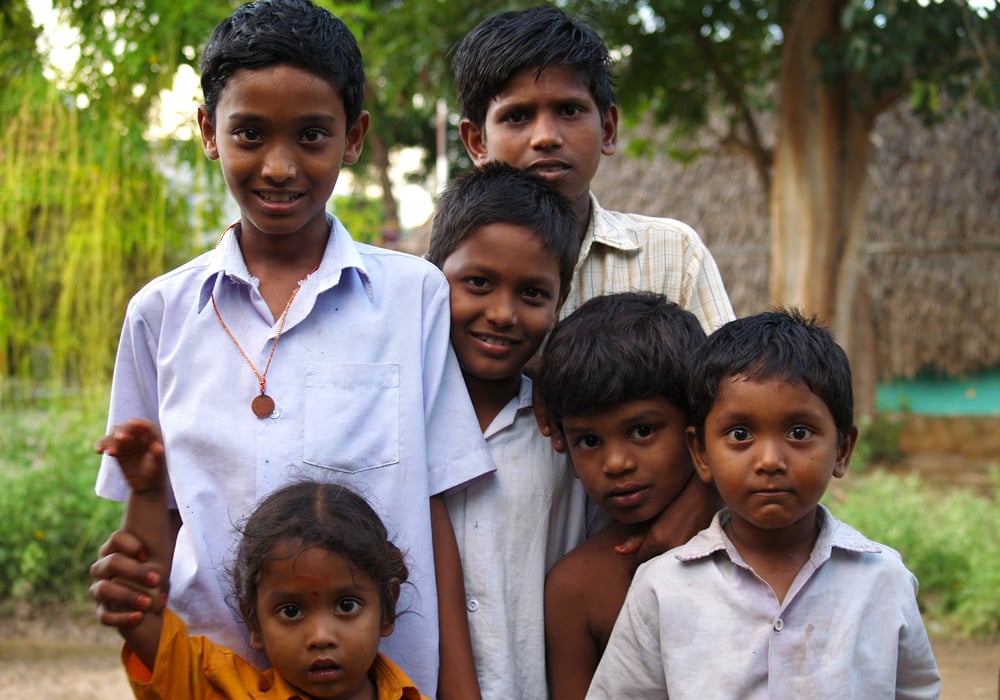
<point>367,393</point>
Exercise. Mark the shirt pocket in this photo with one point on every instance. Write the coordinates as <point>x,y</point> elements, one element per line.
<point>351,416</point>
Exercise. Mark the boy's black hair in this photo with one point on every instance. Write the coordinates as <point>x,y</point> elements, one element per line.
<point>295,33</point>
<point>615,348</point>
<point>783,345</point>
<point>505,44</point>
<point>309,514</point>
<point>500,193</point>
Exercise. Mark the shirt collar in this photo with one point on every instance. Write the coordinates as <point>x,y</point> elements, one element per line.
<point>508,413</point>
<point>274,686</point>
<point>832,534</point>
<point>602,229</point>
<point>390,682</point>
<point>340,255</point>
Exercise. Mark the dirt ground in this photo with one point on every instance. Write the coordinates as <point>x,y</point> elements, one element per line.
<point>66,655</point>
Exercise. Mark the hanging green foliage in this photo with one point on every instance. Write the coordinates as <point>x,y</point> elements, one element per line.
<point>86,217</point>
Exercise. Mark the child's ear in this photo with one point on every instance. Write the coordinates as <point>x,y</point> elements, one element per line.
<point>475,142</point>
<point>844,451</point>
<point>387,625</point>
<point>609,132</point>
<point>207,129</point>
<point>356,137</point>
<point>256,638</point>
<point>698,455</point>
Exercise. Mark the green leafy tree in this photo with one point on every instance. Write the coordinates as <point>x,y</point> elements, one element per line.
<point>87,214</point>
<point>822,71</point>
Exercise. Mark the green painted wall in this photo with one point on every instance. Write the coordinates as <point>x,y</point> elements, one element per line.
<point>978,395</point>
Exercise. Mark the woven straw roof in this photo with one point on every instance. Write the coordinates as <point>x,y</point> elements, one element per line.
<point>933,251</point>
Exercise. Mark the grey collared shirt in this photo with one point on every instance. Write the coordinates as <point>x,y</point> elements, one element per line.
<point>699,623</point>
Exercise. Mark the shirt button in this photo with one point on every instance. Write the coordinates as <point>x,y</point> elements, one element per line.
<point>779,625</point>
<point>472,605</point>
<point>275,414</point>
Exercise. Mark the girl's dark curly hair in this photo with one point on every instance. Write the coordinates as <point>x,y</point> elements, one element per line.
<point>313,514</point>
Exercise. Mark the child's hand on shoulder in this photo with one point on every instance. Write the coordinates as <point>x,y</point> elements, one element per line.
<point>138,447</point>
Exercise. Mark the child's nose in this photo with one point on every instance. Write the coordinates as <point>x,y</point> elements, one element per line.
<point>322,632</point>
<point>546,132</point>
<point>279,164</point>
<point>501,311</point>
<point>770,457</point>
<point>618,460</point>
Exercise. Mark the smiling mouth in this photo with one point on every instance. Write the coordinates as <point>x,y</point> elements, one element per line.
<point>494,340</point>
<point>279,197</point>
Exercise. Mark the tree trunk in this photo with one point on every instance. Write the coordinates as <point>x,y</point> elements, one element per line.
<point>380,156</point>
<point>818,191</point>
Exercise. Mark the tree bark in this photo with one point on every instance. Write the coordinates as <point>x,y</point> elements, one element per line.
<point>380,156</point>
<point>818,196</point>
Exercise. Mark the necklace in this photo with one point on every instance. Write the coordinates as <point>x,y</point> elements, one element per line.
<point>262,404</point>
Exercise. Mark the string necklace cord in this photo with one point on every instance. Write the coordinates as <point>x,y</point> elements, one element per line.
<point>262,404</point>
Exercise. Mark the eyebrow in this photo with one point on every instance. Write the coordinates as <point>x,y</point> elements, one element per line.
<point>259,119</point>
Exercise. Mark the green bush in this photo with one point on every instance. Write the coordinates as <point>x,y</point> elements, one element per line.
<point>51,521</point>
<point>878,442</point>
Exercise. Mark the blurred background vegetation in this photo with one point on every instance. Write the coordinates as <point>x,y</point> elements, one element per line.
<point>95,200</point>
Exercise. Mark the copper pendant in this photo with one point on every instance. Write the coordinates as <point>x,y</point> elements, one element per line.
<point>262,406</point>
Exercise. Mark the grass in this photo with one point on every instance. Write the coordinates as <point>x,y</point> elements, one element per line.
<point>52,523</point>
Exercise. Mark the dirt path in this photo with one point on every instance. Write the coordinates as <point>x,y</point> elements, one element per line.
<point>72,658</point>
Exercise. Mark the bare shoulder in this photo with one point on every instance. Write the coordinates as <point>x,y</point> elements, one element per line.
<point>592,576</point>
<point>590,559</point>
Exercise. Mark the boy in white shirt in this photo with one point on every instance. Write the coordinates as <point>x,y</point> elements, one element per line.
<point>504,239</point>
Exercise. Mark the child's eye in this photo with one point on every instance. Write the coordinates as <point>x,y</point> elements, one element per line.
<point>641,431</point>
<point>515,117</point>
<point>347,606</point>
<point>800,432</point>
<point>739,434</point>
<point>477,282</point>
<point>571,110</point>
<point>588,442</point>
<point>313,135</point>
<point>247,135</point>
<point>290,611</point>
<point>535,294</point>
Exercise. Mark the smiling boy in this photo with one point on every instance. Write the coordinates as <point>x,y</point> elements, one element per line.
<point>291,351</point>
<point>504,239</point>
<point>777,598</point>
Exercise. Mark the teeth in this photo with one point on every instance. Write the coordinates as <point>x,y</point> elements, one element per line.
<point>495,341</point>
<point>287,197</point>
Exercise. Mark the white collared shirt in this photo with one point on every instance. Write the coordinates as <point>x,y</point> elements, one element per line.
<point>367,390</point>
<point>512,526</point>
<point>699,623</point>
<point>631,252</point>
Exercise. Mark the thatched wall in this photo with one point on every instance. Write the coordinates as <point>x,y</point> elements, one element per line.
<point>933,252</point>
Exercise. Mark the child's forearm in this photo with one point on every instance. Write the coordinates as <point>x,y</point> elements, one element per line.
<point>147,517</point>
<point>457,674</point>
